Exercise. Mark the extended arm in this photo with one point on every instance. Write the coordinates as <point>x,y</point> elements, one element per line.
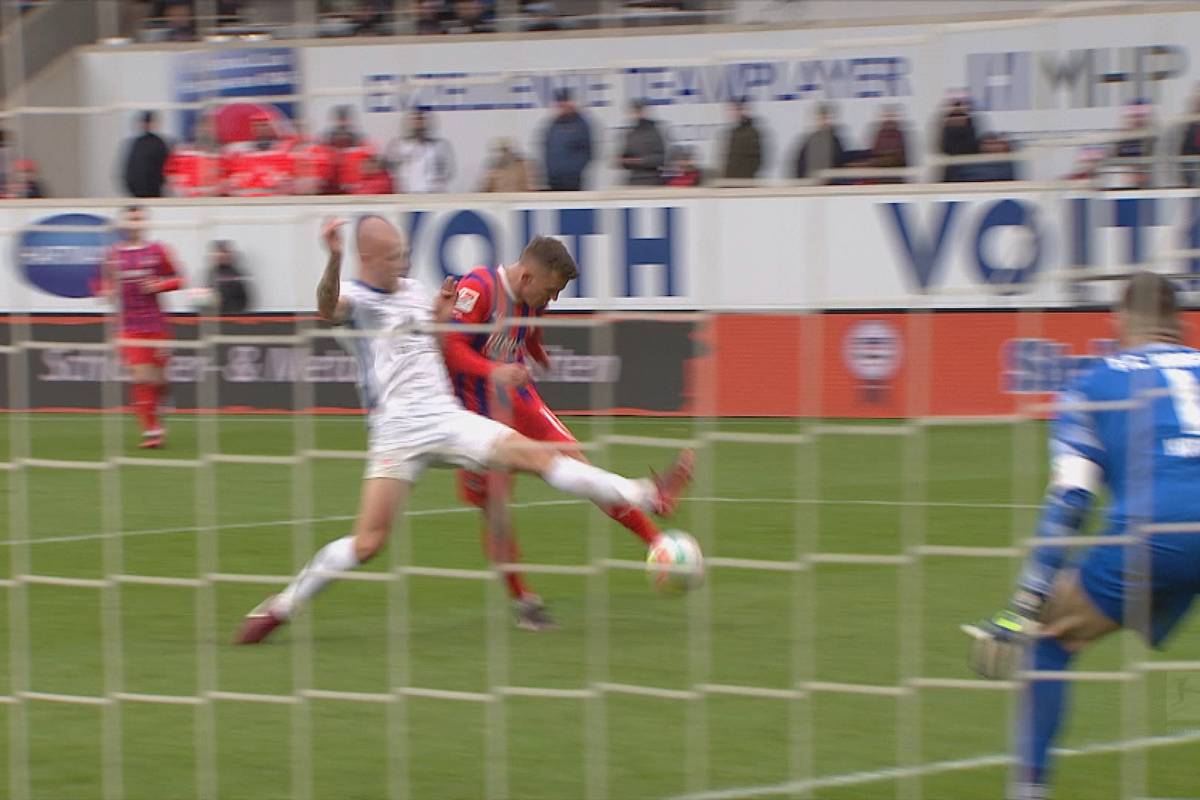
<point>331,306</point>
<point>169,278</point>
<point>1077,474</point>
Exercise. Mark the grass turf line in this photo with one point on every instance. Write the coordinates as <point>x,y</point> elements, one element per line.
<point>854,626</point>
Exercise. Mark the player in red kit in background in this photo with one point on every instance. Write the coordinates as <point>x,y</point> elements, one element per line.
<point>491,378</point>
<point>135,273</point>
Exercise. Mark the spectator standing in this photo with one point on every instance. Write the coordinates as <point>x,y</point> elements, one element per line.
<point>373,178</point>
<point>957,137</point>
<point>1003,170</point>
<point>1188,147</point>
<point>180,25</point>
<point>743,146</point>
<point>6,159</point>
<point>194,169</point>
<point>567,144</point>
<point>889,146</point>
<point>507,171</point>
<point>471,16</point>
<point>348,151</point>
<point>261,167</point>
<point>311,161</point>
<point>420,162</point>
<point>342,134</point>
<point>644,151</point>
<point>226,280</point>
<point>1138,173</point>
<point>146,159</point>
<point>1087,164</point>
<point>369,17</point>
<point>823,148</point>
<point>26,183</point>
<point>682,169</point>
<point>545,17</point>
<point>429,18</point>
<point>229,13</point>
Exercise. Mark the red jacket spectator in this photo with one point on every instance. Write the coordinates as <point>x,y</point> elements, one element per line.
<point>258,169</point>
<point>312,166</point>
<point>374,179</point>
<point>192,171</point>
<point>348,169</point>
<point>262,166</point>
<point>25,182</point>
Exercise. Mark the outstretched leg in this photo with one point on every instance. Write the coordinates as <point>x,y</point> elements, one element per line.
<point>535,419</point>
<point>606,489</point>
<point>382,499</point>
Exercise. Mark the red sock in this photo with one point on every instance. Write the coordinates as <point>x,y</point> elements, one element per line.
<point>635,520</point>
<point>505,551</point>
<point>152,411</point>
<point>144,405</point>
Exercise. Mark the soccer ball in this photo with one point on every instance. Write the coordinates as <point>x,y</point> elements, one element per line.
<point>675,563</point>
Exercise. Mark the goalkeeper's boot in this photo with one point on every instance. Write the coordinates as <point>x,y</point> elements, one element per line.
<point>673,483</point>
<point>259,623</point>
<point>531,614</point>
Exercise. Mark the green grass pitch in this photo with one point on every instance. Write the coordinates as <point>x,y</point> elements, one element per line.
<point>750,499</point>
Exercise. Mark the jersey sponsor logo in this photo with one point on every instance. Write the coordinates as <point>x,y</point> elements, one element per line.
<point>467,298</point>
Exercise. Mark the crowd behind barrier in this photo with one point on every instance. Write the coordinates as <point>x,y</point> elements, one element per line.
<point>190,20</point>
<point>260,155</point>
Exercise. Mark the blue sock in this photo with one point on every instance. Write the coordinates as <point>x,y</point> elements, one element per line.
<point>1042,709</point>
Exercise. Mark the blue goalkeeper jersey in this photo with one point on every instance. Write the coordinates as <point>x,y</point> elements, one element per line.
<point>1130,425</point>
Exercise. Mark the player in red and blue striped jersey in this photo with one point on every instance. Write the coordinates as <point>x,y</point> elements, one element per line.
<point>134,274</point>
<point>491,377</point>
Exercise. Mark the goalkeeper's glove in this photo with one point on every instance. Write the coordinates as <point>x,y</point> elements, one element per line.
<point>999,643</point>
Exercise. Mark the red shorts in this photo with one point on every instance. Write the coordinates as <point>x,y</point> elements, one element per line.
<point>530,418</point>
<point>136,356</point>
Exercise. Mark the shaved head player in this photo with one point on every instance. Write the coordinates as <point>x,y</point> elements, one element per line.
<point>415,421</point>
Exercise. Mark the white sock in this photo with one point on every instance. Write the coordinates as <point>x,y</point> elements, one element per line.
<point>601,487</point>
<point>337,556</point>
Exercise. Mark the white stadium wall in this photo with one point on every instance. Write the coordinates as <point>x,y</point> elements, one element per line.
<point>727,250</point>
<point>1082,69</point>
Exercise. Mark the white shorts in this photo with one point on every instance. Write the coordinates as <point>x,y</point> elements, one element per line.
<point>456,438</point>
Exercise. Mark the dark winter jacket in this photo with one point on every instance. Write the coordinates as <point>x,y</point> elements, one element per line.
<point>743,151</point>
<point>645,145</point>
<point>144,166</point>
<point>568,151</point>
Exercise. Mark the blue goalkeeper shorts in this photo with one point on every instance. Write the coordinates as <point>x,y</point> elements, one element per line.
<point>1174,581</point>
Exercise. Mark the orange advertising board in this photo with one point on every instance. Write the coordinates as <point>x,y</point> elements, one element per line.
<point>895,364</point>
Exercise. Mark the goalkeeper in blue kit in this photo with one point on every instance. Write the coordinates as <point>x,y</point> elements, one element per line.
<point>1131,425</point>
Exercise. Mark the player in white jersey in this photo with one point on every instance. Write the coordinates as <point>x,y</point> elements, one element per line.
<point>415,421</point>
